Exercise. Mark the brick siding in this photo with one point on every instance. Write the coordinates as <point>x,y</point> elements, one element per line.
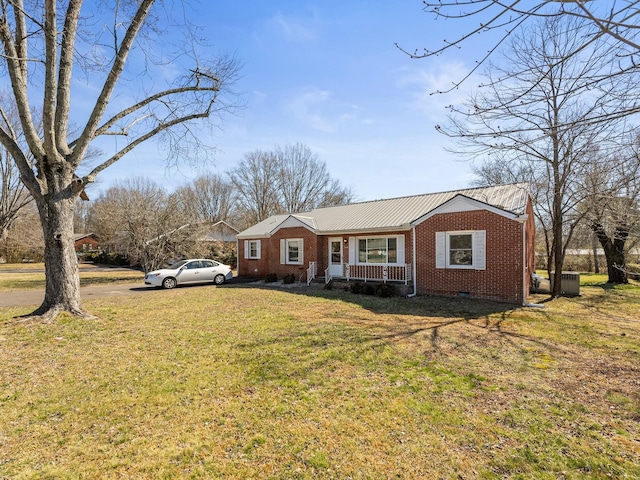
<point>269,263</point>
<point>503,277</point>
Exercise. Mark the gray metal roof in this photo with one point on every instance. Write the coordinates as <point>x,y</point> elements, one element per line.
<point>393,213</point>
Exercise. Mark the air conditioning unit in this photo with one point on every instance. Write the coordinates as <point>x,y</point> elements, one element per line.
<point>570,282</point>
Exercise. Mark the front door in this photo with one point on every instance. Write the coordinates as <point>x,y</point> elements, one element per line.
<point>335,257</point>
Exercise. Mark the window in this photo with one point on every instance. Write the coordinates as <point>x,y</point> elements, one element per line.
<point>252,249</point>
<point>378,250</point>
<point>291,251</point>
<point>462,249</point>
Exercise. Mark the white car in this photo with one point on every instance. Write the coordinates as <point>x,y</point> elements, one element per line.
<point>196,270</point>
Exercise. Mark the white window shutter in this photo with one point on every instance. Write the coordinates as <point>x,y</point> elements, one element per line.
<point>258,247</point>
<point>480,249</point>
<point>301,252</point>
<point>246,249</point>
<point>283,251</point>
<point>353,253</point>
<point>441,249</point>
<point>400,246</point>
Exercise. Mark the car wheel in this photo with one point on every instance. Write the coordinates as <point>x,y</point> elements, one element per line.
<point>169,282</point>
<point>218,279</point>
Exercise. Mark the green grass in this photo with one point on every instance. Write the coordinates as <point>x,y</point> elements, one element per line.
<point>240,382</point>
<point>588,279</point>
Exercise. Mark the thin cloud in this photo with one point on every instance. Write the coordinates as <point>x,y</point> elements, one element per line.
<point>295,29</point>
<point>316,108</point>
<point>424,86</point>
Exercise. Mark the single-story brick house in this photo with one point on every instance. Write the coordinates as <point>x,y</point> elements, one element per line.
<point>86,242</point>
<point>476,242</point>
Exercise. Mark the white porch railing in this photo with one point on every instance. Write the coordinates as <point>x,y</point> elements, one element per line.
<point>312,271</point>
<point>384,273</point>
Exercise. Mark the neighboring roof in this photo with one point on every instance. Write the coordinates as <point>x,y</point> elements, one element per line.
<point>206,232</point>
<point>219,231</point>
<point>394,213</point>
<point>80,236</point>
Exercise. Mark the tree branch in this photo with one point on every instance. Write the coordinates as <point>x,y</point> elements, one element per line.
<point>16,66</point>
<point>65,71</point>
<point>119,62</point>
<point>159,128</point>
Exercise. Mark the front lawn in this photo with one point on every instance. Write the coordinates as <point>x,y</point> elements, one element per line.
<point>241,382</point>
<point>28,276</point>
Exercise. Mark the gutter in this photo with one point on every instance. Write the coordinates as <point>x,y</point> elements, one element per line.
<point>523,220</point>
<point>413,264</point>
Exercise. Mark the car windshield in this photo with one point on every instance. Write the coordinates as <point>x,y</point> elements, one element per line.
<point>177,265</point>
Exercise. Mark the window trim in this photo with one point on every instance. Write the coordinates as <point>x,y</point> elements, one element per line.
<point>284,253</point>
<point>478,250</point>
<point>399,245</point>
<point>247,251</point>
<point>448,263</point>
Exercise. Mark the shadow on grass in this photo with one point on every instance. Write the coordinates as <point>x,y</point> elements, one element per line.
<point>398,319</point>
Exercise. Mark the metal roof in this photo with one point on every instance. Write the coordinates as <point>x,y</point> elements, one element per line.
<point>394,213</point>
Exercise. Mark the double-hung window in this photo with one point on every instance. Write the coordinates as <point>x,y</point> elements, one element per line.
<point>461,249</point>
<point>291,251</point>
<point>252,249</point>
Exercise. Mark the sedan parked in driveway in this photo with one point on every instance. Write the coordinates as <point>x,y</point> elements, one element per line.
<point>184,272</point>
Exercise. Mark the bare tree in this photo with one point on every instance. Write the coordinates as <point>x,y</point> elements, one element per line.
<point>335,194</point>
<point>24,241</point>
<point>255,179</point>
<point>13,196</point>
<point>140,220</point>
<point>209,198</point>
<point>499,168</point>
<point>81,215</point>
<point>612,206</point>
<point>289,179</point>
<point>46,45</point>
<point>615,21</point>
<point>533,112</point>
<point>304,182</point>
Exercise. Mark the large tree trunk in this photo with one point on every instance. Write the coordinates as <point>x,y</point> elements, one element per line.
<point>557,224</point>
<point>62,292</point>
<point>614,251</point>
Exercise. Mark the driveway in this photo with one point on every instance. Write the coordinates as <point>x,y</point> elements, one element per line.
<point>22,298</point>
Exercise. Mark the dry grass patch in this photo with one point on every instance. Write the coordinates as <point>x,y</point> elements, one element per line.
<point>14,277</point>
<point>239,382</point>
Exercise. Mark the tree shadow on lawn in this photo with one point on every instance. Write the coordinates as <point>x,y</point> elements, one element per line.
<point>425,318</point>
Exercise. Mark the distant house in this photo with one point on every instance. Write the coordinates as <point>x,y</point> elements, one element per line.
<point>474,242</point>
<point>202,239</point>
<point>86,242</point>
<point>220,241</point>
<point>217,232</point>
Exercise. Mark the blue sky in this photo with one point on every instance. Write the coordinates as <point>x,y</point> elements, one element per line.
<point>327,74</point>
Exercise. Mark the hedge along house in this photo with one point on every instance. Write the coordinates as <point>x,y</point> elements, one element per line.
<point>476,242</point>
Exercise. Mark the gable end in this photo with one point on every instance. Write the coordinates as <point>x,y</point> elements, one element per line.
<point>462,203</point>
<point>292,222</point>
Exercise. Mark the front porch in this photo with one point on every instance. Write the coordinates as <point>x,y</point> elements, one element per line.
<point>365,272</point>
